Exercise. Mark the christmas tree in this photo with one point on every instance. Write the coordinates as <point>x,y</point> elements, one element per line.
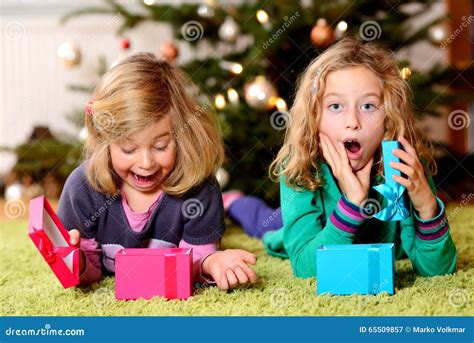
<point>258,51</point>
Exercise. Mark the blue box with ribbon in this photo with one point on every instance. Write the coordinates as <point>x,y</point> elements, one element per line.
<point>397,198</point>
<point>346,269</point>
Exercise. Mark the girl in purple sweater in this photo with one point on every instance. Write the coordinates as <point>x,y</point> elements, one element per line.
<point>147,181</point>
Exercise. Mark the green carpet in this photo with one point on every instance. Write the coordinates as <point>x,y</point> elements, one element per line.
<point>28,287</point>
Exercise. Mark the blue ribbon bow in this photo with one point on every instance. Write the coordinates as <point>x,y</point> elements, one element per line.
<point>396,205</point>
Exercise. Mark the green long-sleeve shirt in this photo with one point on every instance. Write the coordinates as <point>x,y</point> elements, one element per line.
<point>312,219</point>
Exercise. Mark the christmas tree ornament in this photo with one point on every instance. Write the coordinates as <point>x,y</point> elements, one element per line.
<point>405,73</point>
<point>169,52</point>
<point>69,54</point>
<point>222,177</point>
<point>205,11</point>
<point>229,29</point>
<point>322,34</point>
<point>260,94</point>
<point>125,46</point>
<point>437,34</point>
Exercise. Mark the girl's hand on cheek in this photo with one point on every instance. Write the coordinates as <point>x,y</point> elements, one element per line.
<point>419,190</point>
<point>354,185</point>
<point>229,268</point>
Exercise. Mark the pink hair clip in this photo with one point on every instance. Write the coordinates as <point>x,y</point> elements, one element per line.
<point>89,110</point>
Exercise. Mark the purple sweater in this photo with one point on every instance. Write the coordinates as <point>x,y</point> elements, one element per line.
<point>197,218</point>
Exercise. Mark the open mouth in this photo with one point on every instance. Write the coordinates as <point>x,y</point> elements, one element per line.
<point>144,178</point>
<point>352,145</point>
<point>353,148</point>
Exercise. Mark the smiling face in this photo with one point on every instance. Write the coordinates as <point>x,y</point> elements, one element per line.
<point>352,113</point>
<point>145,159</point>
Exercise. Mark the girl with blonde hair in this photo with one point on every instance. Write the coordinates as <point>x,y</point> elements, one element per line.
<point>148,177</point>
<point>348,100</point>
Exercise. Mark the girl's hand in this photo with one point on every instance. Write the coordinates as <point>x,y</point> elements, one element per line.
<point>419,190</point>
<point>354,185</point>
<point>230,268</point>
<point>75,239</point>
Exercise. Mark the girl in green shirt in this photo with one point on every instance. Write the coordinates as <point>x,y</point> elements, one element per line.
<point>348,100</point>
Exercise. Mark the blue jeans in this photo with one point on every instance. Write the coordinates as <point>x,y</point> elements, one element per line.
<point>255,216</point>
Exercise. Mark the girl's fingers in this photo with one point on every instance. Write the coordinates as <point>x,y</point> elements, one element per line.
<point>409,149</point>
<point>342,153</point>
<point>405,157</point>
<point>222,282</point>
<point>405,169</point>
<point>251,274</point>
<point>326,155</point>
<point>231,278</point>
<point>241,275</point>
<point>332,152</point>
<point>404,182</point>
<point>75,237</point>
<point>248,257</point>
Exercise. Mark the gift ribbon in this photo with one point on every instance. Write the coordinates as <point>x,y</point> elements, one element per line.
<point>374,271</point>
<point>395,202</point>
<point>47,249</point>
<point>171,283</point>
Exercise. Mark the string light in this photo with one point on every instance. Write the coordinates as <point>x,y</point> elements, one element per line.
<point>281,104</point>
<point>233,67</point>
<point>342,26</point>
<point>233,95</point>
<point>220,101</point>
<point>262,17</point>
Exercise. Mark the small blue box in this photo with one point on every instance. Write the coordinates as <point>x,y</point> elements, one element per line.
<point>355,268</point>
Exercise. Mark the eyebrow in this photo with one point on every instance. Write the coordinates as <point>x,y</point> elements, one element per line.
<point>164,134</point>
<point>363,95</point>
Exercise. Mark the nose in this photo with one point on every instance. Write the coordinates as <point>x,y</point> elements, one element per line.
<point>146,161</point>
<point>352,120</point>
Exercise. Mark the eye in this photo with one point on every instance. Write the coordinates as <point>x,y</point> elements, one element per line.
<point>160,148</point>
<point>335,107</point>
<point>369,107</point>
<point>128,151</point>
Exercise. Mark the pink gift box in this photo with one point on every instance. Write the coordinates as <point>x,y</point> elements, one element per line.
<point>145,273</point>
<point>52,240</point>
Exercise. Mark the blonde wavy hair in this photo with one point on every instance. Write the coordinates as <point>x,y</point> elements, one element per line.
<point>299,158</point>
<point>136,93</point>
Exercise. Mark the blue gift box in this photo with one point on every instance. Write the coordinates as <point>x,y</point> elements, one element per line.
<point>397,198</point>
<point>346,269</point>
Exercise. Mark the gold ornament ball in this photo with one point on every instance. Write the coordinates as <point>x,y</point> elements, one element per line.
<point>322,34</point>
<point>405,73</point>
<point>260,94</point>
